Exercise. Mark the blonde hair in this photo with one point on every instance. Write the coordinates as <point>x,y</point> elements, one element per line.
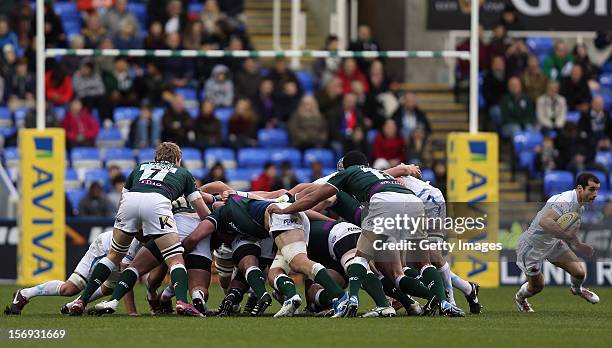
<point>169,152</point>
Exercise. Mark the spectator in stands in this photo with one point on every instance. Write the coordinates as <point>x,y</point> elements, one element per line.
<point>106,64</point>
<point>516,57</point>
<point>410,116</point>
<point>439,169</point>
<point>484,59</point>
<point>419,148</point>
<point>22,21</point>
<point>281,74</point>
<point>243,125</point>
<point>50,118</point>
<point>95,202</point>
<point>551,109</point>
<point>326,68</point>
<point>80,126</point>
<point>219,87</point>
<point>330,99</point>
<point>216,173</point>
<point>8,61</point>
<point>54,30</point>
<point>559,63</point>
<point>547,156</point>
<point>20,87</point>
<point>316,170</point>
<point>349,73</point>
<point>247,79</point>
<point>595,123</point>
<point>235,44</point>
<point>232,7</point>
<point>58,86</point>
<point>119,16</point>
<point>264,103</point>
<point>8,37</point>
<point>211,13</point>
<point>581,57</point>
<point>362,98</point>
<point>89,87</point>
<point>509,18</point>
<point>364,42</point>
<point>566,142</point>
<point>3,91</point>
<point>176,17</point>
<point>114,196</point>
<point>500,42</point>
<point>176,70</point>
<point>534,80</point>
<point>72,64</point>
<point>307,127</point>
<point>495,83</point>
<point>145,131</point>
<point>286,103</point>
<point>194,35</point>
<point>287,179</point>
<point>517,109</point>
<point>93,32</point>
<point>221,34</point>
<point>576,90</point>
<point>207,127</point>
<point>342,125</point>
<point>381,103</point>
<point>119,84</point>
<point>155,39</point>
<point>389,144</point>
<point>127,37</point>
<point>265,181</point>
<point>177,123</point>
<point>152,88</point>
<point>357,140</point>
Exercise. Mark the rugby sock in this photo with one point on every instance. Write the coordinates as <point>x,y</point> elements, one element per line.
<point>178,277</point>
<point>321,277</point>
<point>523,292</point>
<point>411,272</point>
<point>395,293</point>
<point>151,293</point>
<point>97,294</point>
<point>461,284</point>
<point>50,288</point>
<point>256,280</point>
<point>323,298</point>
<point>412,287</point>
<point>168,293</point>
<point>99,274</point>
<point>372,285</point>
<point>199,294</point>
<point>577,284</point>
<point>446,279</point>
<point>126,282</point>
<point>431,277</point>
<point>285,285</point>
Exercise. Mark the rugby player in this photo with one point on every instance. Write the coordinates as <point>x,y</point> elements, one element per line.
<point>546,240</point>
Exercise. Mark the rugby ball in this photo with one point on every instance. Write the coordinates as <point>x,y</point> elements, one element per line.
<point>569,220</point>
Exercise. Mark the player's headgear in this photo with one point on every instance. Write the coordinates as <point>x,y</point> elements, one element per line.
<point>354,158</point>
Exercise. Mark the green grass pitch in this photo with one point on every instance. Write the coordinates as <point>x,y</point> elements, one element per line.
<point>560,320</point>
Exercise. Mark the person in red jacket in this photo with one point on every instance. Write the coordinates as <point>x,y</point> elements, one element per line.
<point>80,126</point>
<point>389,145</point>
<point>349,73</point>
<point>266,179</point>
<point>58,86</point>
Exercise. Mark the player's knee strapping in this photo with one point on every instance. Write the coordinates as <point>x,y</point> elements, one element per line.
<point>347,259</point>
<point>173,250</point>
<point>118,247</point>
<point>280,262</point>
<point>292,250</point>
<point>78,280</point>
<point>223,271</point>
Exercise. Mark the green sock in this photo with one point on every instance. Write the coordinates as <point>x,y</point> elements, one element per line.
<point>356,274</point>
<point>178,276</point>
<point>372,285</point>
<point>285,285</point>
<point>431,277</point>
<point>414,287</point>
<point>411,272</point>
<point>99,274</point>
<point>323,278</point>
<point>394,292</point>
<point>324,300</point>
<point>256,280</point>
<point>127,280</point>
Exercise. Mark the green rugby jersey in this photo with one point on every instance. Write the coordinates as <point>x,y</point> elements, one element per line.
<point>164,178</point>
<point>241,216</point>
<point>318,246</point>
<point>347,208</point>
<point>363,182</point>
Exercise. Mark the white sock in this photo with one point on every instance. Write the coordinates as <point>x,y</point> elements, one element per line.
<point>197,294</point>
<point>168,293</point>
<point>523,292</point>
<point>96,295</point>
<point>446,279</point>
<point>577,283</point>
<point>460,284</point>
<point>50,288</point>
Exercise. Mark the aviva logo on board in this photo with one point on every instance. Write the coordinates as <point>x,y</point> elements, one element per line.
<point>478,151</point>
<point>44,147</point>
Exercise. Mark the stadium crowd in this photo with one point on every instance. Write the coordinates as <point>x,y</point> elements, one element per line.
<point>201,103</point>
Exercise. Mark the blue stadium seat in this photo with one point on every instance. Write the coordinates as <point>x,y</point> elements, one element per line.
<point>71,179</point>
<point>158,114</point>
<point>110,137</point>
<point>140,12</point>
<point>72,26</point>
<point>121,157</point>
<point>428,175</point>
<point>145,155</point>
<point>606,94</point>
<point>7,131</point>
<point>280,155</point>
<point>199,173</point>
<point>240,179</point>
<point>193,112</point>
<point>75,196</point>
<point>192,158</point>
<point>11,157</point>
<point>125,115</point>
<point>526,140</point>
<point>5,117</point>
<point>195,8</point>
<point>324,156</point>
<point>605,80</point>
<point>303,174</point>
<point>66,9</point>
<point>603,178</point>
<point>86,158</point>
<point>96,175</point>
<point>540,44</point>
<point>272,137</point>
<point>60,112</point>
<point>226,156</point>
<point>372,133</point>
<point>573,116</point>
<point>604,158</point>
<point>527,161</point>
<point>607,67</point>
<point>557,181</point>
<point>253,157</point>
<point>306,80</point>
<point>224,114</point>
<point>187,93</point>
<point>20,116</point>
<point>328,171</point>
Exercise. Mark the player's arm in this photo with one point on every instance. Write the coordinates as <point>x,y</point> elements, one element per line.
<point>550,226</point>
<point>308,201</point>
<point>215,187</point>
<point>325,204</point>
<point>204,229</point>
<point>404,170</point>
<point>269,195</point>
<point>130,304</point>
<point>200,207</point>
<point>314,215</point>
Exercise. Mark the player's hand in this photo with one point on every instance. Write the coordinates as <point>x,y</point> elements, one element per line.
<point>275,209</point>
<point>584,249</point>
<point>413,170</point>
<point>225,195</point>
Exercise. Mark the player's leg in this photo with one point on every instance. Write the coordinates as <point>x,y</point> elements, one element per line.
<point>153,281</point>
<point>198,271</point>
<point>224,265</point>
<point>235,293</point>
<point>530,262</point>
<point>246,257</point>
<point>568,261</point>
<point>284,286</point>
<point>320,299</point>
